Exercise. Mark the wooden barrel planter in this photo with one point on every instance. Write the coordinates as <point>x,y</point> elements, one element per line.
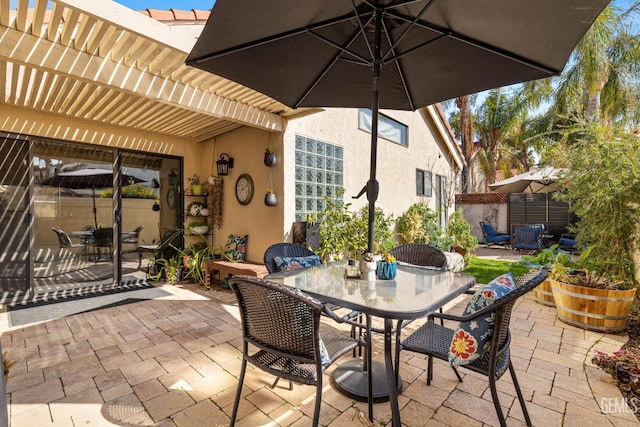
<point>542,294</point>
<point>601,310</point>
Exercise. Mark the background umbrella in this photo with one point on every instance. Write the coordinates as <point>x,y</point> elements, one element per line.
<point>543,180</point>
<point>88,178</point>
<point>396,54</point>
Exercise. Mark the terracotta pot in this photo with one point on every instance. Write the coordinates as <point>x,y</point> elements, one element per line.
<point>460,250</point>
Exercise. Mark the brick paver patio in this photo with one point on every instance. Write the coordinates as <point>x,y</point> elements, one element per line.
<point>174,362</point>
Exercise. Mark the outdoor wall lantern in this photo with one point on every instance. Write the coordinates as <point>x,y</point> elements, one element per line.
<point>224,164</point>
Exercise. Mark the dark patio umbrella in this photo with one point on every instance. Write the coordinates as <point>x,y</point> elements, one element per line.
<point>88,178</point>
<point>395,54</point>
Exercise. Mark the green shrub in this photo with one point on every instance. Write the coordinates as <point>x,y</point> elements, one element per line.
<point>419,224</point>
<point>135,191</point>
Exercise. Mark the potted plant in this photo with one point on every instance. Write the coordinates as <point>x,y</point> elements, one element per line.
<point>460,231</point>
<point>195,257</point>
<point>198,227</point>
<point>172,268</point>
<point>590,298</point>
<point>555,261</point>
<point>368,266</point>
<point>196,184</point>
<point>195,208</point>
<point>270,157</point>
<point>600,183</point>
<point>387,267</point>
<point>270,198</point>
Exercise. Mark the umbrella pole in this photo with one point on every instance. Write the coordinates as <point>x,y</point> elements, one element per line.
<point>95,210</point>
<point>372,184</point>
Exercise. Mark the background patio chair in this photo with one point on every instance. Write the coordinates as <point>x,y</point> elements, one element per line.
<point>133,236</point>
<point>435,341</point>
<point>492,237</point>
<point>102,243</point>
<point>420,254</point>
<point>528,237</point>
<point>283,250</point>
<point>282,326</point>
<point>65,241</point>
<point>568,242</point>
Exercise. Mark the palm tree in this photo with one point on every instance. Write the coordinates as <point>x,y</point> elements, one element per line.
<point>467,137</point>
<point>601,80</point>
<point>499,123</point>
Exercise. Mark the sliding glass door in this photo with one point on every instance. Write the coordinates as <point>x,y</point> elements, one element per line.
<point>73,213</point>
<point>15,218</point>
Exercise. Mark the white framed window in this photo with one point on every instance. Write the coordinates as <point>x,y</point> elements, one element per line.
<point>319,173</point>
<point>423,183</point>
<point>388,128</point>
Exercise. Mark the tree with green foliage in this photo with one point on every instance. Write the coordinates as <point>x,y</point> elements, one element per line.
<point>602,183</point>
<point>601,80</point>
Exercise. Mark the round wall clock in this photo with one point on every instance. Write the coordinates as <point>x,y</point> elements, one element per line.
<point>172,198</point>
<point>244,189</point>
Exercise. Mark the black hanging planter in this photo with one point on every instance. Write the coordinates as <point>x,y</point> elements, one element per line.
<point>270,158</point>
<point>270,199</point>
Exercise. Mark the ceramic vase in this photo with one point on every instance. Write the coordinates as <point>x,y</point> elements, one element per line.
<point>386,270</point>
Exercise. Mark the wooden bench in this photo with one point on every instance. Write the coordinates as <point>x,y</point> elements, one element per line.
<point>231,268</point>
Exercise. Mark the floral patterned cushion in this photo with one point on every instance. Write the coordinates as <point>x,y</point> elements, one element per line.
<point>236,247</point>
<point>285,263</point>
<point>473,338</point>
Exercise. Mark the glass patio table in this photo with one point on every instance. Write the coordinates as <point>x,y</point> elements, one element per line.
<point>414,293</point>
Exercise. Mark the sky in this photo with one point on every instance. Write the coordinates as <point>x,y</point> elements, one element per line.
<point>167,4</point>
<point>155,4</point>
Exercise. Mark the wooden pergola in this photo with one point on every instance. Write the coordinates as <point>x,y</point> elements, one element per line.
<point>102,62</point>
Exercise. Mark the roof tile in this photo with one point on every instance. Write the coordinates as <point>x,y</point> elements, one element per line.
<point>183,15</point>
<point>161,15</point>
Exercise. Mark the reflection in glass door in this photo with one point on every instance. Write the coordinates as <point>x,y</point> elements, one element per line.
<point>73,215</point>
<point>14,214</point>
<point>150,210</point>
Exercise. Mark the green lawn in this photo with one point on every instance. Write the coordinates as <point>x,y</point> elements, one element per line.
<point>485,270</point>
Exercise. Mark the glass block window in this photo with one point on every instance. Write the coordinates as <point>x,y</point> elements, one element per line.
<point>319,173</point>
<point>423,183</point>
<point>388,128</point>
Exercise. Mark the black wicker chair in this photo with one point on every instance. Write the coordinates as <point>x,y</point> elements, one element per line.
<point>283,250</point>
<point>295,250</point>
<point>282,326</point>
<point>420,254</point>
<point>434,340</point>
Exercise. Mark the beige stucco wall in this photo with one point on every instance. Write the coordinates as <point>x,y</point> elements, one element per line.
<point>396,164</point>
<point>268,225</point>
<point>264,225</point>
